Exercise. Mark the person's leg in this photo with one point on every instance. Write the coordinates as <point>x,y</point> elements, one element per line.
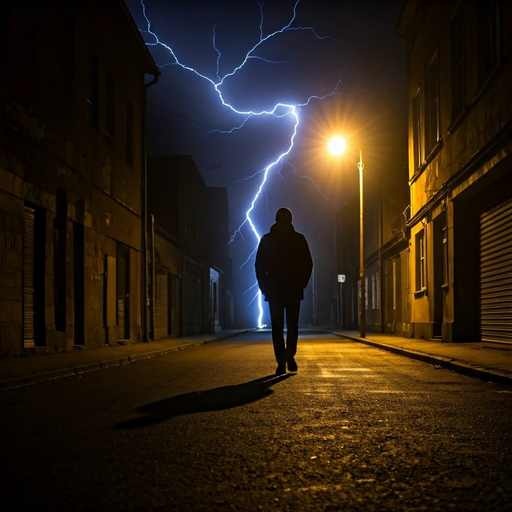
<point>277,319</point>
<point>292,333</point>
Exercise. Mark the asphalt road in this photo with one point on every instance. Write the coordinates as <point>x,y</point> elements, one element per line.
<point>212,428</point>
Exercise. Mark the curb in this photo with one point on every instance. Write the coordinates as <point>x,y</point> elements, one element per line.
<point>79,369</point>
<point>467,369</point>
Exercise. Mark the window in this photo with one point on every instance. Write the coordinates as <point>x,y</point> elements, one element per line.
<point>110,107</point>
<point>92,90</point>
<point>421,281</point>
<point>432,128</point>
<point>490,37</point>
<point>128,133</point>
<point>458,63</point>
<point>417,130</point>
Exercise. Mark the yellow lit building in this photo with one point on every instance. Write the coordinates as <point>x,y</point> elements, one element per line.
<point>460,168</point>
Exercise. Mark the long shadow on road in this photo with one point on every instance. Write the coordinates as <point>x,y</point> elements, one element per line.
<point>216,399</point>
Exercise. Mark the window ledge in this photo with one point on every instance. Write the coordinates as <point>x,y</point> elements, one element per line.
<point>491,77</point>
<point>420,293</point>
<point>417,173</point>
<point>457,120</point>
<point>110,141</point>
<point>433,153</point>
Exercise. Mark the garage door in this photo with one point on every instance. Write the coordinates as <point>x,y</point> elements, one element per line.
<point>495,279</point>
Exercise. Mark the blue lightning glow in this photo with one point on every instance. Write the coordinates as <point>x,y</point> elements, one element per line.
<point>280,110</point>
<point>302,177</point>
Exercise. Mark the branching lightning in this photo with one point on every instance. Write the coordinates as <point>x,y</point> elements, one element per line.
<point>280,110</point>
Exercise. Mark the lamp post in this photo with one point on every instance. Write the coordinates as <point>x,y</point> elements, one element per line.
<point>362,309</point>
<point>337,145</point>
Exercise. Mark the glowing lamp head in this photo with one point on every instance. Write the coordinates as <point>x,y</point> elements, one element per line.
<point>337,145</point>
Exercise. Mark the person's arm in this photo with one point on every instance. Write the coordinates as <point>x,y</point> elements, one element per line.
<point>307,263</point>
<point>260,266</point>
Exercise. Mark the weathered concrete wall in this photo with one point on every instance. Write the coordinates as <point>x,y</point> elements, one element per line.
<point>74,173</point>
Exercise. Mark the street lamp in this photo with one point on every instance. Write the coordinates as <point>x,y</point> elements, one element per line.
<point>337,146</point>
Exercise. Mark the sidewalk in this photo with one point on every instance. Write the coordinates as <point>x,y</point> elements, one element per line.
<point>488,361</point>
<point>21,371</point>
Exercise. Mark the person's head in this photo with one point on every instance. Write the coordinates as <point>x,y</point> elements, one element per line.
<point>284,216</point>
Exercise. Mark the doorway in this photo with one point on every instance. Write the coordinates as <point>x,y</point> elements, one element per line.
<point>123,291</point>
<point>440,272</point>
<point>34,262</point>
<point>78,283</point>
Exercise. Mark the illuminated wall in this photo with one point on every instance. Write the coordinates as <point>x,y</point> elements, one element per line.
<point>460,141</point>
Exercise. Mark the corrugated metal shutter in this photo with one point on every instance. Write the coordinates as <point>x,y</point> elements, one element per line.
<point>121,319</point>
<point>175,305</point>
<point>123,291</point>
<point>162,303</point>
<point>495,283</point>
<point>28,277</point>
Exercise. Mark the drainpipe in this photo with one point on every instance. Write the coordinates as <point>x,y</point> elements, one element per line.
<point>144,213</point>
<point>153,279</point>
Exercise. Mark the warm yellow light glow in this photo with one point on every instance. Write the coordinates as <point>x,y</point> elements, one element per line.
<point>337,145</point>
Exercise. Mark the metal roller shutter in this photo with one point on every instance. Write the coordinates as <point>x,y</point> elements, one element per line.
<point>495,279</point>
<point>162,303</point>
<point>28,277</point>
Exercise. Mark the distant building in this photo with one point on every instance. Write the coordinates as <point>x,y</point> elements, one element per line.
<point>221,314</point>
<point>384,201</point>
<point>72,111</point>
<point>385,198</point>
<point>190,271</point>
<point>460,168</point>
<point>395,296</point>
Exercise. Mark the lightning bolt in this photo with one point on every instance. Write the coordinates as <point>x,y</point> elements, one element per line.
<point>280,110</point>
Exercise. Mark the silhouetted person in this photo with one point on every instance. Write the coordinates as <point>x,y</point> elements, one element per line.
<point>283,268</point>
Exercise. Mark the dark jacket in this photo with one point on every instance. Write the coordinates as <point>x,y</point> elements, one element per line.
<point>283,264</point>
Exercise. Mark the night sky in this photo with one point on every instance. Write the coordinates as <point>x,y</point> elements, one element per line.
<point>357,54</point>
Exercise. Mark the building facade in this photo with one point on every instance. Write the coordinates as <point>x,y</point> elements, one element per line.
<point>221,315</point>
<point>190,269</point>
<point>460,168</point>
<point>384,206</point>
<point>72,108</point>
<point>395,276</point>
